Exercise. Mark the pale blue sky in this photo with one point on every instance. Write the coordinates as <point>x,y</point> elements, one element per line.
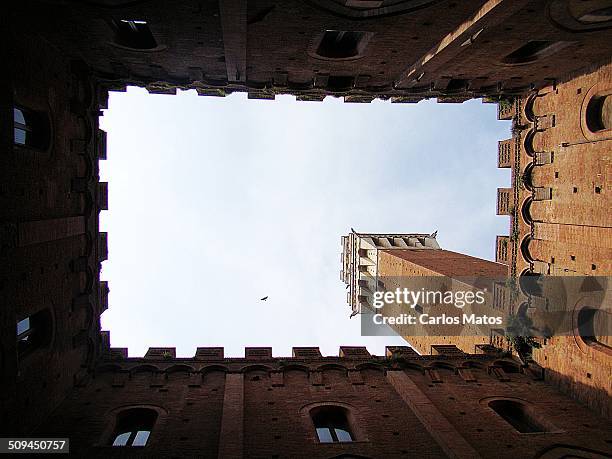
<point>217,202</point>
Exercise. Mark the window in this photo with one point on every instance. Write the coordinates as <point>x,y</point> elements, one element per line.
<point>594,326</point>
<point>33,332</point>
<point>518,415</point>
<point>30,129</point>
<point>331,424</point>
<point>134,34</point>
<point>341,44</point>
<point>601,15</point>
<point>591,11</point>
<point>532,51</point>
<point>581,15</point>
<point>134,427</point>
<point>599,113</point>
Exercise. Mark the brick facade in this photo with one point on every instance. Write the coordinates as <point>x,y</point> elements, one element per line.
<point>408,50</point>
<point>402,405</point>
<point>562,224</point>
<point>559,208</point>
<point>49,239</point>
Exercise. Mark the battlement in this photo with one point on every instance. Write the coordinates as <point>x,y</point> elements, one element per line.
<point>349,355</point>
<point>161,368</point>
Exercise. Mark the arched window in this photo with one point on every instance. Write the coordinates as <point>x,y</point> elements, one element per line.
<point>600,15</point>
<point>134,34</point>
<point>591,11</point>
<point>33,332</point>
<point>332,424</point>
<point>518,415</point>
<point>594,326</point>
<point>581,15</point>
<point>532,51</point>
<point>30,129</point>
<point>133,427</point>
<point>599,113</point>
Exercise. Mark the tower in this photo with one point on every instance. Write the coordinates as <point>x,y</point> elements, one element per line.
<point>414,261</point>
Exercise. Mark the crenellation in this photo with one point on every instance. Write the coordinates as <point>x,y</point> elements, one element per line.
<point>101,146</point>
<point>351,358</point>
<point>159,353</point>
<point>355,352</point>
<point>209,353</point>
<point>104,290</point>
<point>118,353</point>
<point>102,196</point>
<point>258,353</point>
<point>103,247</point>
<point>105,340</point>
<point>305,352</point>
<point>504,206</point>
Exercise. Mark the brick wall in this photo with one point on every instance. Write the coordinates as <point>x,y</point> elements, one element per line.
<point>50,248</point>
<point>569,233</point>
<point>260,408</point>
<point>447,49</point>
<point>49,254</point>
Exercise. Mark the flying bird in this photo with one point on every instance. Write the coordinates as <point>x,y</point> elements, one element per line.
<point>263,299</point>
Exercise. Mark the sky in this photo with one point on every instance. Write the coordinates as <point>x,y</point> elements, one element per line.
<point>215,203</point>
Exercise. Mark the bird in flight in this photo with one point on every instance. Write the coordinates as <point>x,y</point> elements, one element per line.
<point>263,299</point>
